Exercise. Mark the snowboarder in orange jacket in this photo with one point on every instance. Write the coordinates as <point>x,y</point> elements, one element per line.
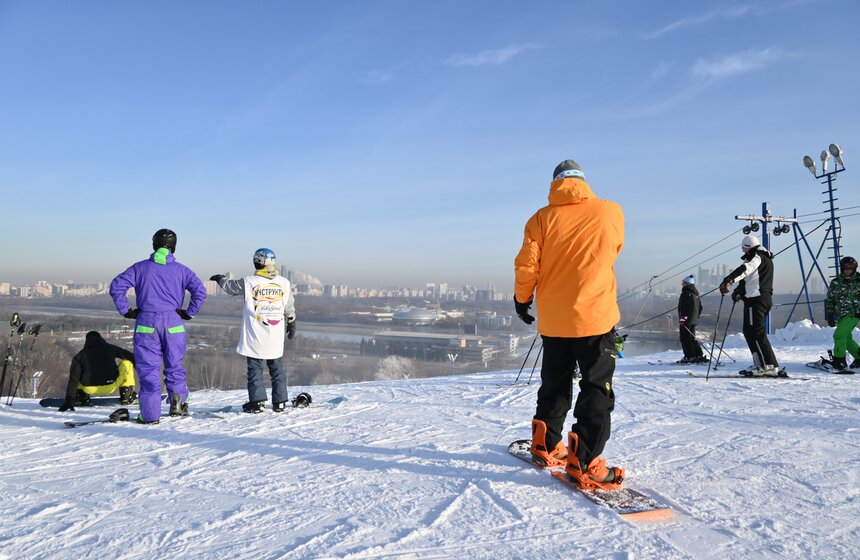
<point>568,258</point>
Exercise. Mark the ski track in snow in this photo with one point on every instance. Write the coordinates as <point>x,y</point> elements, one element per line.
<point>419,469</point>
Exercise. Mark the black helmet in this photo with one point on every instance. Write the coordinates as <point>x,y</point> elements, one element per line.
<point>302,400</point>
<point>164,238</point>
<point>848,261</point>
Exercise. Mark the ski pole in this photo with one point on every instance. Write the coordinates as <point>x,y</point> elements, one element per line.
<point>696,341</point>
<point>16,320</point>
<point>725,334</point>
<point>22,328</point>
<point>716,327</point>
<point>35,332</point>
<point>525,360</point>
<point>534,365</point>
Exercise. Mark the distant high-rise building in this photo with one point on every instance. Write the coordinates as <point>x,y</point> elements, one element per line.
<point>483,295</point>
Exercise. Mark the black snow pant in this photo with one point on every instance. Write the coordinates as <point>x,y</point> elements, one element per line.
<point>755,312</point>
<point>595,356</point>
<point>689,344</point>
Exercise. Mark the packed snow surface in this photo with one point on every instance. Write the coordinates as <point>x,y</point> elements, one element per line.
<point>755,468</point>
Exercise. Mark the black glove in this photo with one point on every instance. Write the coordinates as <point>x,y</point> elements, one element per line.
<point>68,405</point>
<point>831,323</point>
<point>736,296</point>
<point>184,314</point>
<point>217,277</point>
<point>291,329</point>
<point>132,313</point>
<point>523,311</point>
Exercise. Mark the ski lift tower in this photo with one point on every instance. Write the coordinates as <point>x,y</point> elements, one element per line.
<point>765,220</point>
<point>829,177</point>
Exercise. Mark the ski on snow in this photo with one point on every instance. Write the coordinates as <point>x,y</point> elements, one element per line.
<point>331,403</point>
<point>198,414</point>
<point>629,504</point>
<point>699,374</point>
<point>94,401</point>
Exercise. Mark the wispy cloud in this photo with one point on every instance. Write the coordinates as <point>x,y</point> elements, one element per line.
<point>375,77</point>
<point>659,72</point>
<point>705,72</point>
<point>690,21</point>
<point>734,64</point>
<point>491,57</point>
<point>727,13</point>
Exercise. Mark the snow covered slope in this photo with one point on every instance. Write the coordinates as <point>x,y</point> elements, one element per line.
<point>419,469</point>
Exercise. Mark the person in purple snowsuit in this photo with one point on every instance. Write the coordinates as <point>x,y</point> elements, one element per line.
<point>159,283</point>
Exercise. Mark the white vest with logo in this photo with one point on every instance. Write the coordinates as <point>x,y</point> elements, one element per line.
<point>264,321</point>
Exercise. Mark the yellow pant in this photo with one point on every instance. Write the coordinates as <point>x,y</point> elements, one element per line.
<point>125,379</point>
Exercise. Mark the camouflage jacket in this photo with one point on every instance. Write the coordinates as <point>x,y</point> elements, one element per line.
<point>843,297</point>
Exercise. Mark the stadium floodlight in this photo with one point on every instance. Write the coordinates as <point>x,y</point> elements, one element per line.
<point>825,158</point>
<point>809,163</point>
<point>836,152</point>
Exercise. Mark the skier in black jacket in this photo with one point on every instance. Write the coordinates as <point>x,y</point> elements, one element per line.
<point>94,372</point>
<point>756,290</point>
<point>689,309</point>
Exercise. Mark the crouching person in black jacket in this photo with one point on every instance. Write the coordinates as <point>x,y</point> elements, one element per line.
<point>94,371</point>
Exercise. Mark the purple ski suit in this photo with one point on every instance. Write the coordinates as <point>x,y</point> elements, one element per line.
<point>159,284</point>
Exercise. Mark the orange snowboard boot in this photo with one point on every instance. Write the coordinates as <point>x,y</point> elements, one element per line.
<point>555,458</point>
<point>596,475</point>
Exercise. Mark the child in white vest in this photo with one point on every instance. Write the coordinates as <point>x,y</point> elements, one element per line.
<point>269,315</point>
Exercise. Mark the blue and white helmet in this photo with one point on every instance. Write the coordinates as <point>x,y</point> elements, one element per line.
<point>264,258</point>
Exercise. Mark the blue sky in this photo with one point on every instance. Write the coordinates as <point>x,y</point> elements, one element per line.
<point>382,143</point>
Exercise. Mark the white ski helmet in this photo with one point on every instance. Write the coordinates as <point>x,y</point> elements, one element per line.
<point>749,242</point>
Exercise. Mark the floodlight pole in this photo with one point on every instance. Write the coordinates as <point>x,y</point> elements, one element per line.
<point>829,177</point>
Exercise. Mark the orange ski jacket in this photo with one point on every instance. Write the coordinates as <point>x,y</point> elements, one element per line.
<point>568,254</point>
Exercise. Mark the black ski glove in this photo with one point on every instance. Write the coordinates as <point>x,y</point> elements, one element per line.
<point>831,323</point>
<point>67,406</point>
<point>217,277</point>
<point>736,296</point>
<point>184,314</point>
<point>523,311</point>
<point>291,329</point>
<point>132,313</point>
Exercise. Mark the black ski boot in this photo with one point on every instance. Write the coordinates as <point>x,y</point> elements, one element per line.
<point>127,395</point>
<point>279,406</point>
<point>177,407</point>
<point>140,420</point>
<point>839,363</point>
<point>82,399</point>
<point>254,407</point>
